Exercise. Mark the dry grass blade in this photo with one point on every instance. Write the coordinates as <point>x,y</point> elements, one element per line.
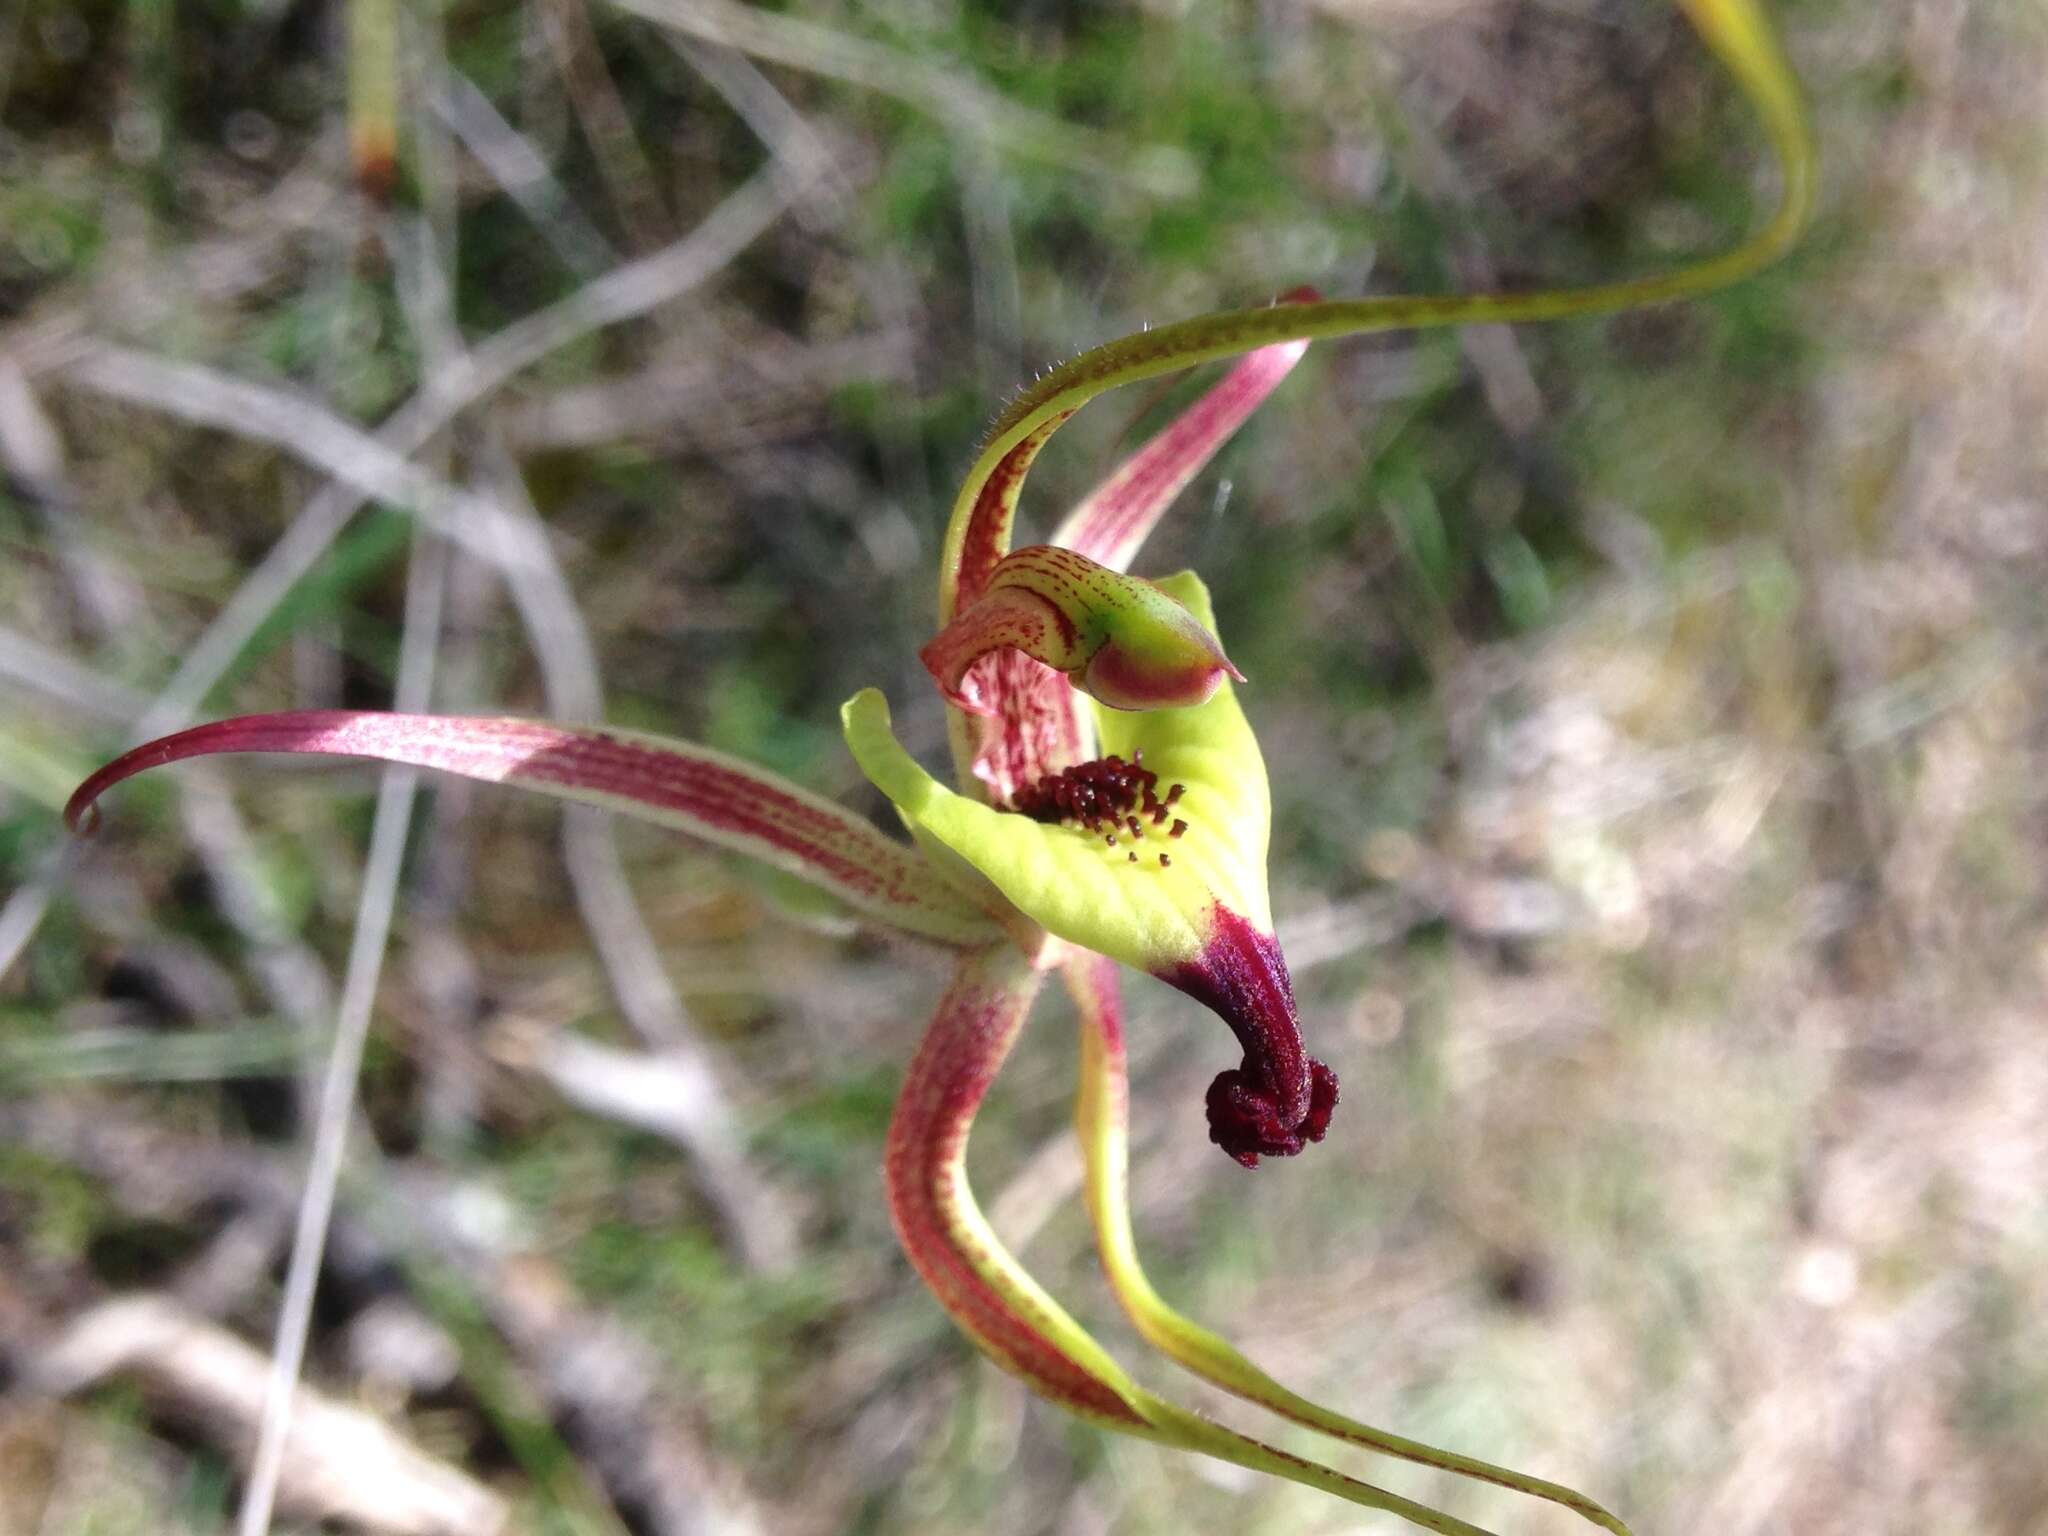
<point>23,914</point>
<point>607,125</point>
<point>33,454</point>
<point>352,1027</point>
<point>631,290</point>
<point>34,667</point>
<point>621,295</point>
<point>517,167</point>
<point>776,389</point>
<point>943,92</point>
<point>339,1463</point>
<point>802,152</point>
<point>307,430</point>
<point>749,1204</point>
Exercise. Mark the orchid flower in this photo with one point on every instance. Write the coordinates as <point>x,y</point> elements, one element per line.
<point>1110,808</point>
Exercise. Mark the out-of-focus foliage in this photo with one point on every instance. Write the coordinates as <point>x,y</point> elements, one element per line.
<point>1653,705</point>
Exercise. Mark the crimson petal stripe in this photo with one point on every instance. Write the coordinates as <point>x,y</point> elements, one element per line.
<point>711,796</point>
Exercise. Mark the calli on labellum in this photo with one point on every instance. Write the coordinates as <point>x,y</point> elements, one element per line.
<point>1111,809</point>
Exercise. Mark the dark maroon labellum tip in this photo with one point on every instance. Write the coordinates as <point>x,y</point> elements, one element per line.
<point>1280,1099</point>
<point>1245,1122</point>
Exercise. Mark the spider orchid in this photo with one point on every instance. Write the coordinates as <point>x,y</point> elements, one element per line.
<point>1111,810</point>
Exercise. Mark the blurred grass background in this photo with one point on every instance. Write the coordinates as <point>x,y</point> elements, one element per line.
<point>1654,706</point>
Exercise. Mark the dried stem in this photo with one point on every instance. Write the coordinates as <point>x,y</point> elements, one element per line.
<point>520,171</point>
<point>939,90</point>
<point>352,1026</point>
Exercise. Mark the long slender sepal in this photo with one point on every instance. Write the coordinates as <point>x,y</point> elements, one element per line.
<point>1102,1117</point>
<point>979,534</point>
<point>692,789</point>
<point>948,1241</point>
<point>993,1299</point>
<point>1737,31</point>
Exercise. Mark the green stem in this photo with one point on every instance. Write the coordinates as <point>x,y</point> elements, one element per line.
<point>373,93</point>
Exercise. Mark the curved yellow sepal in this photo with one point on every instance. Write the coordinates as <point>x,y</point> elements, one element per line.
<point>991,1296</point>
<point>1101,1115</point>
<point>1738,31</point>
<point>1152,910</point>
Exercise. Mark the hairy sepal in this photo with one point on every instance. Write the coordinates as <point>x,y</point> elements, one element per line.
<point>1112,522</point>
<point>1017,718</point>
<point>706,794</point>
<point>1738,31</point>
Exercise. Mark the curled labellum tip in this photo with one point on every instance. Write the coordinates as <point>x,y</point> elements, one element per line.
<point>1281,1098</point>
<point>1120,639</point>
